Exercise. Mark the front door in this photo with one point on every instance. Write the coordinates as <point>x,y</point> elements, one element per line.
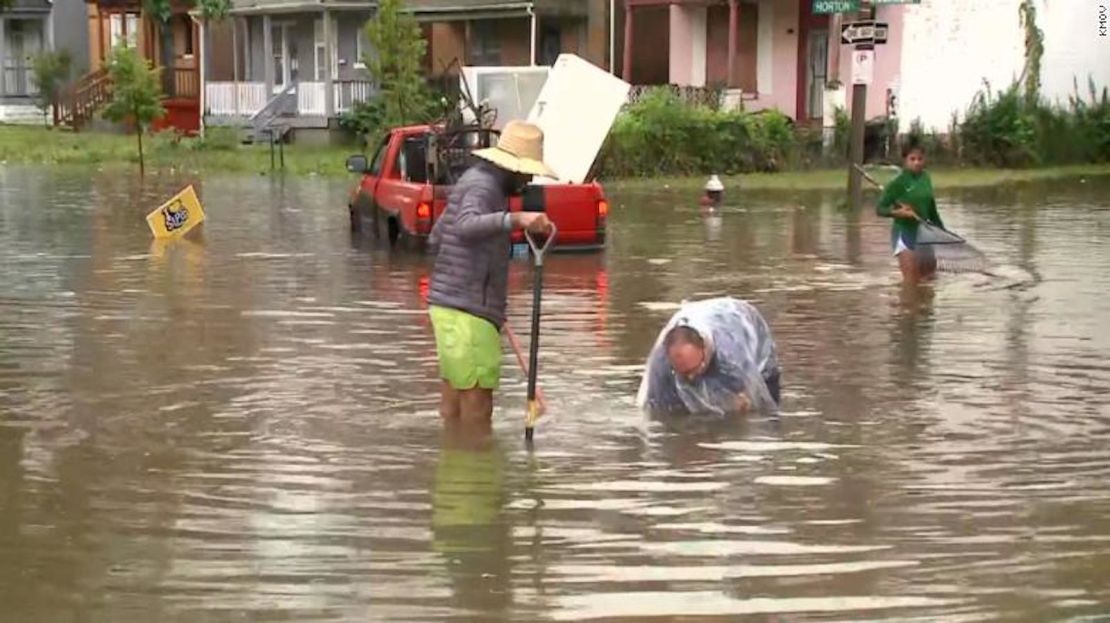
<point>817,65</point>
<point>282,54</point>
<point>24,39</point>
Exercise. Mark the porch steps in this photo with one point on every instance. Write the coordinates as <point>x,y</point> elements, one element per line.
<point>78,104</point>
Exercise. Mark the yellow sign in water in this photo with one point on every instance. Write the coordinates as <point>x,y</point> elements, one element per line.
<point>178,216</point>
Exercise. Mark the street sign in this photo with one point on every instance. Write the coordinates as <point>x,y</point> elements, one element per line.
<point>863,66</point>
<point>856,33</point>
<point>825,7</point>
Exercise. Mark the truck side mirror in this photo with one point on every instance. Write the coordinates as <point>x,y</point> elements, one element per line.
<point>357,164</point>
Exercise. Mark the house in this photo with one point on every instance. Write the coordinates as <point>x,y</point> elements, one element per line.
<point>765,54</point>
<point>780,54</point>
<point>510,32</point>
<point>28,28</point>
<point>296,63</point>
<point>114,23</point>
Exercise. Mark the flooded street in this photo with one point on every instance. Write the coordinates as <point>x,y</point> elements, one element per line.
<point>243,427</point>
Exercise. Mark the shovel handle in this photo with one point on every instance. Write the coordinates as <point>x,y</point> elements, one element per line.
<point>538,250</point>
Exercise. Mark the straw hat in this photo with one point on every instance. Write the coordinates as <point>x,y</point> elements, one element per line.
<point>520,150</point>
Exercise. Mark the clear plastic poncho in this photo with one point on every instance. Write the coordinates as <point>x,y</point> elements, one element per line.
<point>741,357</point>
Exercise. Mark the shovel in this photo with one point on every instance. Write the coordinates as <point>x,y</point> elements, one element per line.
<point>538,252</point>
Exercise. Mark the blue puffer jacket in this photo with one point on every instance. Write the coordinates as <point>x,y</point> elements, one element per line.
<point>472,247</point>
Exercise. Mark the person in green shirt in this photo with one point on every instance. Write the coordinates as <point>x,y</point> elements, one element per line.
<point>908,199</point>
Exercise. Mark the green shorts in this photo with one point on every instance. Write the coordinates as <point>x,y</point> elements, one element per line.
<point>469,348</point>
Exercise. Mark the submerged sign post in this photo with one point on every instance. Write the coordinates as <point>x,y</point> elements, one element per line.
<point>863,36</point>
<point>178,216</point>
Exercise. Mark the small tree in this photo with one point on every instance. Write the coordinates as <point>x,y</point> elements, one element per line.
<point>136,93</point>
<point>397,51</point>
<point>51,70</point>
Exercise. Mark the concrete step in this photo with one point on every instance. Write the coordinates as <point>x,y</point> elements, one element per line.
<point>21,114</point>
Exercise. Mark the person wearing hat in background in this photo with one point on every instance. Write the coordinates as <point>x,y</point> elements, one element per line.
<point>467,297</point>
<point>714,192</point>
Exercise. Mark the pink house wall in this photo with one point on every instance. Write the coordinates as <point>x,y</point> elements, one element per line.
<point>779,90</point>
<point>681,46</point>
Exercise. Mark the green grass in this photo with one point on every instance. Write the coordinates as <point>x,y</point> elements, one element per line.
<point>220,152</point>
<point>838,179</point>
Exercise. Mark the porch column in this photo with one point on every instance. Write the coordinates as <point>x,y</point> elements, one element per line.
<point>202,87</point>
<point>235,49</point>
<point>626,66</point>
<point>48,26</point>
<point>329,85</point>
<point>235,63</point>
<point>532,36</point>
<point>834,48</point>
<point>733,35</point>
<point>3,54</point>
<point>268,55</point>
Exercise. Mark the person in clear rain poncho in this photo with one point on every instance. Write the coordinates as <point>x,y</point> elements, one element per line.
<point>713,357</point>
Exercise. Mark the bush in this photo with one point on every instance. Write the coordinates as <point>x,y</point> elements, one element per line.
<point>660,135</point>
<point>1000,131</point>
<point>1092,122</point>
<point>1012,130</point>
<point>365,120</point>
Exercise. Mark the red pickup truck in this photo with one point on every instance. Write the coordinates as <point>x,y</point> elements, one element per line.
<point>404,189</point>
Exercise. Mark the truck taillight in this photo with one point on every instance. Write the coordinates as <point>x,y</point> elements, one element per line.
<point>602,212</point>
<point>424,212</point>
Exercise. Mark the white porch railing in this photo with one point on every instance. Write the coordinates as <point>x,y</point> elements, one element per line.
<point>349,93</point>
<point>310,99</point>
<point>220,98</point>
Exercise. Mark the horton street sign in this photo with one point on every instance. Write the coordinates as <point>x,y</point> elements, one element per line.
<point>825,7</point>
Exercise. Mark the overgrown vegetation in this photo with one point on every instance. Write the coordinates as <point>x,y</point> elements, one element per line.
<point>396,65</point>
<point>661,135</point>
<point>136,94</point>
<point>221,153</point>
<point>1007,130</point>
<point>51,71</point>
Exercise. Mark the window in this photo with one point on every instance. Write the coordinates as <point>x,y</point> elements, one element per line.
<point>413,159</point>
<point>361,47</point>
<point>131,30</point>
<point>379,157</point>
<point>115,30</point>
<point>123,29</point>
<point>485,43</point>
<point>321,56</point>
<point>189,43</point>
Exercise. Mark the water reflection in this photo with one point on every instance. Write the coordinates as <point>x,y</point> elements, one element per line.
<point>243,424</point>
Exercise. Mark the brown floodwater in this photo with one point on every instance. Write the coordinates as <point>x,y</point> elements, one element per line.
<point>242,426</point>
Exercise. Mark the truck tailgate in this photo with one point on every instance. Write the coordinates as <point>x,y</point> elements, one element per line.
<point>579,211</point>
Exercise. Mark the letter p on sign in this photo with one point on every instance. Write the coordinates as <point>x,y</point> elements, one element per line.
<point>863,66</point>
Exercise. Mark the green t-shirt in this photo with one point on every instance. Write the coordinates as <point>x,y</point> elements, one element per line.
<point>916,191</point>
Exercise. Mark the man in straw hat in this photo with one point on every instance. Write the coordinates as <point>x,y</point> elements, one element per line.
<point>468,291</point>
